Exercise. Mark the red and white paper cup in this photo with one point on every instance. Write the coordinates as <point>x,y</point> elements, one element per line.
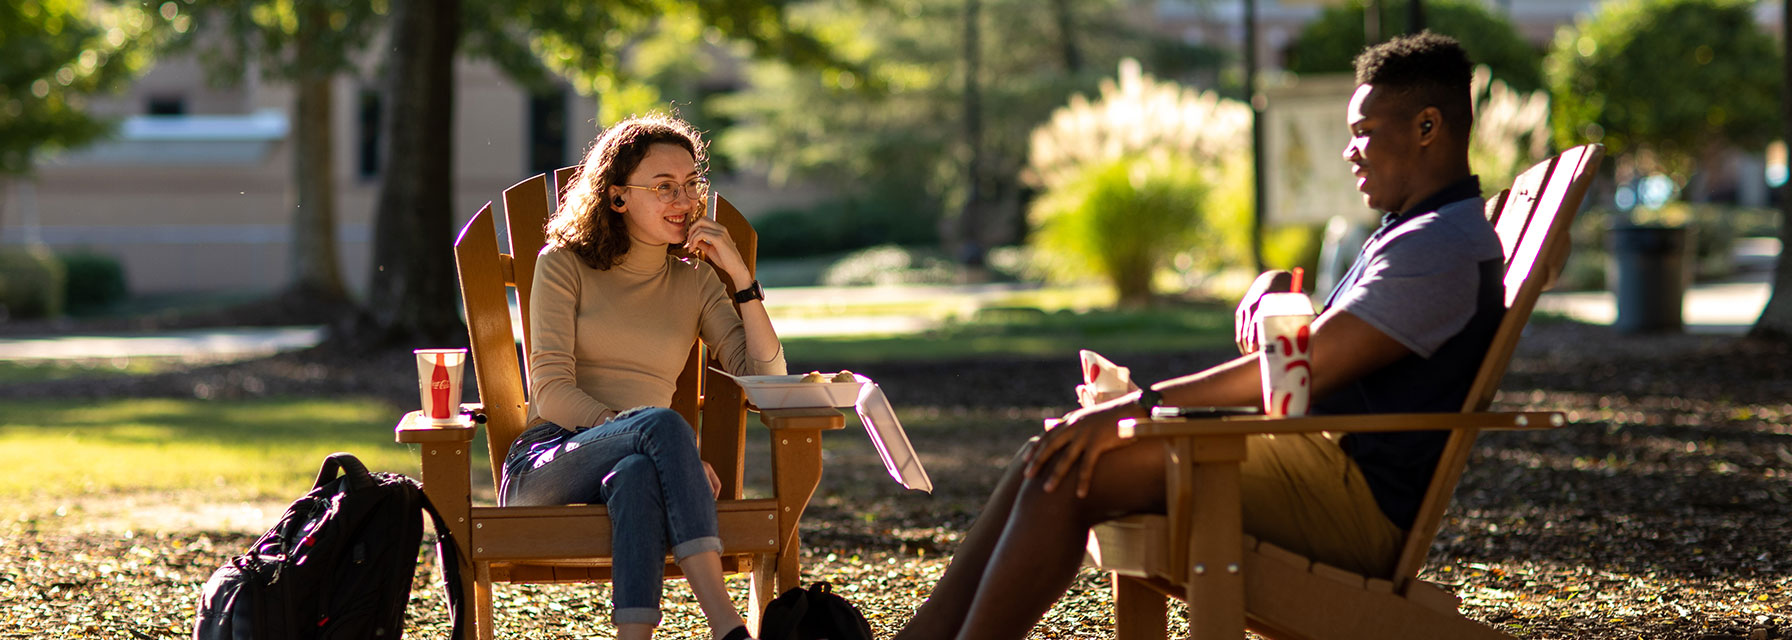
<point>439,382</point>
<point>1284,327</point>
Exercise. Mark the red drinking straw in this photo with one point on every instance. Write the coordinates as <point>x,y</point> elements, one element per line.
<point>1298,274</point>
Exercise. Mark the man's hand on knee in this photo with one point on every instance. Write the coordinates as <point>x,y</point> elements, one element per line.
<point>1244,321</point>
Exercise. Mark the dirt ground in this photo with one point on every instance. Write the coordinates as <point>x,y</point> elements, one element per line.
<point>1661,511</point>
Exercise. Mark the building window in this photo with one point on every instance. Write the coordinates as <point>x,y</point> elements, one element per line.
<point>367,151</point>
<point>547,131</point>
<point>166,105</point>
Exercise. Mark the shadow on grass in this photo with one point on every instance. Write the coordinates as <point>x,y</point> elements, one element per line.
<point>1027,333</point>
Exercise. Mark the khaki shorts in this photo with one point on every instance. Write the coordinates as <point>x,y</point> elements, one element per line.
<point>1302,493</point>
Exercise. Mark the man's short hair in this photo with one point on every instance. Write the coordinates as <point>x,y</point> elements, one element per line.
<point>1426,69</point>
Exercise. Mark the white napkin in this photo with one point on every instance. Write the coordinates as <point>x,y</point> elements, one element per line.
<point>1102,380</point>
<point>891,441</point>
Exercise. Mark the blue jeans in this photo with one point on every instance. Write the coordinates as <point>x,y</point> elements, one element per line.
<point>643,465</point>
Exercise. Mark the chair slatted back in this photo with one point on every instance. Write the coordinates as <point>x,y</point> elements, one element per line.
<point>487,278</point>
<point>1532,219</point>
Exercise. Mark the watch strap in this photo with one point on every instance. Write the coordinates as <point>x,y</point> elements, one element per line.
<point>749,293</point>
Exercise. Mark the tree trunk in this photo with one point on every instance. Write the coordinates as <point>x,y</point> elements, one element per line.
<point>412,298</point>
<point>1259,137</point>
<point>1776,319</point>
<point>312,264</point>
<point>5,192</point>
<point>970,225</point>
<point>1066,22</point>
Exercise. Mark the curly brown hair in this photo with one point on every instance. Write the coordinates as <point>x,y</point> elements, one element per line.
<point>585,222</point>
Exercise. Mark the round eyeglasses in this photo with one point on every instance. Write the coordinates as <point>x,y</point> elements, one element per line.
<point>669,191</point>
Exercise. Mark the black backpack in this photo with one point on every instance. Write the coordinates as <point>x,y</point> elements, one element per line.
<point>338,564</point>
<point>813,614</point>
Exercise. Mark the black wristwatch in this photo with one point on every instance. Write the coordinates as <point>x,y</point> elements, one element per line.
<point>750,293</point>
<point>1149,397</point>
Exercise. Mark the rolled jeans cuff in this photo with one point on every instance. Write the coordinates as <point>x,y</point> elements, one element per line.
<point>637,615</point>
<point>695,546</point>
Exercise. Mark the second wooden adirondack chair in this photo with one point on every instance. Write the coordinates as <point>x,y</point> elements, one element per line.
<point>1198,551</point>
<point>565,544</point>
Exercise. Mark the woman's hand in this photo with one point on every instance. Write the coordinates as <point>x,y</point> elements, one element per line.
<point>715,481</point>
<point>712,239</point>
<point>1077,443</point>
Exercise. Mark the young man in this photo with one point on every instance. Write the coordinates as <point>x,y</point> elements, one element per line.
<point>1404,331</point>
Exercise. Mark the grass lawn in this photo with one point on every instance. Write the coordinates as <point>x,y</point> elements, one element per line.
<point>212,452</point>
<point>11,371</point>
<point>219,449</point>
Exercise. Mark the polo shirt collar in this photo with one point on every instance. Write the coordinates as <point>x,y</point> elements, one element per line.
<point>1463,189</point>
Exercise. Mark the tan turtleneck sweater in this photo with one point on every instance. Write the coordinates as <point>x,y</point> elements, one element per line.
<point>608,341</point>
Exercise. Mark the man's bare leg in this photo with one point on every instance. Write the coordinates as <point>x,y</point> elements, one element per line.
<point>944,611</point>
<point>1027,544</point>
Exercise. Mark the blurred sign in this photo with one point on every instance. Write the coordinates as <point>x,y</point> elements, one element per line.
<point>1307,179</point>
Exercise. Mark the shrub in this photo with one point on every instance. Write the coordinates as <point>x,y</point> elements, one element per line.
<point>31,284</point>
<point>1511,131</point>
<point>1295,245</point>
<point>1123,220</point>
<point>841,224</point>
<point>95,281</point>
<point>1149,169</point>
<point>794,233</point>
<point>890,264</point>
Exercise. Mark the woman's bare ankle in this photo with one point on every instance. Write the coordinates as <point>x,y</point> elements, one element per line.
<point>634,631</point>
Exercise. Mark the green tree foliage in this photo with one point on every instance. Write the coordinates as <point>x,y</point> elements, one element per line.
<point>54,52</point>
<point>891,136</point>
<point>1331,43</point>
<point>285,39</point>
<point>633,55</point>
<point>1664,81</point>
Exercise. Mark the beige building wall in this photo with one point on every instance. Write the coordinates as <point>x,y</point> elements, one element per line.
<point>192,215</point>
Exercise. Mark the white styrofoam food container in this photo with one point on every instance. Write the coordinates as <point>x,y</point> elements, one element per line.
<point>790,392</point>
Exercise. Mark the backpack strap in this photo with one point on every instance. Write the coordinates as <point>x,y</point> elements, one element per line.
<point>449,554</point>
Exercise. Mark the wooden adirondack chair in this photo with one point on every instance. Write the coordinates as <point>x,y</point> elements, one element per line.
<point>1198,551</point>
<point>560,544</point>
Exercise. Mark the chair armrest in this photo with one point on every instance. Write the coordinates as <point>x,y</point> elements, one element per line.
<point>806,419</point>
<point>414,429</point>
<point>1359,423</point>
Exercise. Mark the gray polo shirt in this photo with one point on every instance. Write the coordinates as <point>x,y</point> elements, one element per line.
<point>1432,279</point>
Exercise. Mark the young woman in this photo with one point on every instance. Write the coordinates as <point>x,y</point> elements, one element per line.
<point>617,301</point>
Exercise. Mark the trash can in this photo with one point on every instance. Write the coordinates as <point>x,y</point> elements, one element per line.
<point>1648,273</point>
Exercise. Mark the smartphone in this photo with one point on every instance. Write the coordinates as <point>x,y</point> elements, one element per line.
<point>1165,413</point>
<point>710,205</point>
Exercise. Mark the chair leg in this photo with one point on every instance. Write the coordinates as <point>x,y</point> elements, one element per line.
<point>1139,610</point>
<point>796,471</point>
<point>483,620</point>
<point>761,589</point>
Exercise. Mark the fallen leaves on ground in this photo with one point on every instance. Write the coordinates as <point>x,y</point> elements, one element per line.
<point>1661,511</point>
